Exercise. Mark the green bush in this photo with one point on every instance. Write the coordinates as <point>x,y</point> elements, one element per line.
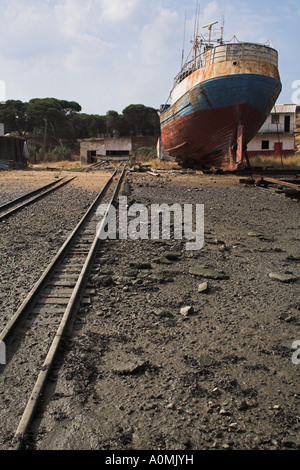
<point>62,151</point>
<point>145,154</point>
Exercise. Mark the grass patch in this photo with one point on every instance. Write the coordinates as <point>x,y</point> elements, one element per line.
<point>290,162</point>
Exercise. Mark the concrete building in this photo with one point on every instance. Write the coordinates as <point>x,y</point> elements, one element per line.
<point>13,152</point>
<point>110,148</point>
<point>277,135</point>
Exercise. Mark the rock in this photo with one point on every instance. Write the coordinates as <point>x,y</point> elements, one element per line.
<point>283,277</point>
<point>224,412</point>
<point>141,265</point>
<point>129,368</point>
<point>163,313</point>
<point>104,281</point>
<point>159,279</point>
<point>185,311</point>
<point>105,271</point>
<point>295,259</point>
<point>243,406</point>
<point>216,241</point>
<point>286,316</point>
<point>205,272</point>
<point>162,260</point>
<point>173,255</point>
<point>203,287</point>
<point>289,444</point>
<point>170,406</point>
<point>255,234</point>
<point>224,248</point>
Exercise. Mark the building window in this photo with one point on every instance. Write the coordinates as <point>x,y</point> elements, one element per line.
<point>265,145</point>
<point>287,123</point>
<point>275,118</point>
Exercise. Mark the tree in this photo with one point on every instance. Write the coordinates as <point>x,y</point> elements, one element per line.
<point>141,120</point>
<point>53,114</point>
<point>15,117</point>
<point>84,126</point>
<point>70,107</point>
<point>112,122</point>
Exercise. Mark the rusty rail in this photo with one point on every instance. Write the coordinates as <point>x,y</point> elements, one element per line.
<point>17,204</point>
<point>72,302</point>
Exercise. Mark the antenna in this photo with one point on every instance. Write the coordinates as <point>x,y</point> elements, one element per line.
<point>198,18</point>
<point>209,26</point>
<point>222,29</point>
<point>182,58</point>
<point>196,31</point>
<point>195,19</point>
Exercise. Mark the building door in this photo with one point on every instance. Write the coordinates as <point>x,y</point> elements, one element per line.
<point>278,148</point>
<point>287,123</point>
<point>93,156</point>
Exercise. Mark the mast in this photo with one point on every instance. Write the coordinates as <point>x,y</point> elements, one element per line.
<point>195,41</point>
<point>182,57</point>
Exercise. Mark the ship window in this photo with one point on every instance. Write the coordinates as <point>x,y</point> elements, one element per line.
<point>265,145</point>
<point>235,63</point>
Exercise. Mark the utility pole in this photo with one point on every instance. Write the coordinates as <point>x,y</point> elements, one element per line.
<point>45,137</point>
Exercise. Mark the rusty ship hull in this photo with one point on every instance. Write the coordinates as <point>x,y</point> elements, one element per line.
<point>218,107</point>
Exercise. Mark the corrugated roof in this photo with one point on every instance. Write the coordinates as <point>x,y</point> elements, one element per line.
<point>284,108</point>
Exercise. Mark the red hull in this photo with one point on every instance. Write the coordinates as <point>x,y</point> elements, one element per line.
<point>208,135</point>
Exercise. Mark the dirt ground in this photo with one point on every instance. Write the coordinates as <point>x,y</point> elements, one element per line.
<point>140,371</point>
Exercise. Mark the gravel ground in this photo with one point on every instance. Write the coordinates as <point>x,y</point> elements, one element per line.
<point>31,238</point>
<point>140,373</point>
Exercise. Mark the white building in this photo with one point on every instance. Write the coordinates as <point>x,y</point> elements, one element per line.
<point>277,135</point>
<point>122,148</point>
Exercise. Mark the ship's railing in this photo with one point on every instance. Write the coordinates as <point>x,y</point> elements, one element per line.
<point>275,129</point>
<point>225,52</point>
<point>242,51</point>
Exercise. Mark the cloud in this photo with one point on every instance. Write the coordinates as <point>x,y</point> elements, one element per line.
<point>86,52</point>
<point>159,37</point>
<point>72,16</point>
<point>28,30</point>
<point>118,10</point>
<point>106,54</point>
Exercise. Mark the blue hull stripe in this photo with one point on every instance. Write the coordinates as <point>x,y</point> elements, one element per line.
<point>257,91</point>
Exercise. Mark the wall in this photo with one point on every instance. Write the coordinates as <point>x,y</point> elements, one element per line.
<point>11,150</point>
<point>274,128</point>
<point>288,144</point>
<point>123,144</point>
<point>274,133</point>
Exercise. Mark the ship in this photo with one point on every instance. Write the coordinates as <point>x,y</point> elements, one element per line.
<point>220,99</point>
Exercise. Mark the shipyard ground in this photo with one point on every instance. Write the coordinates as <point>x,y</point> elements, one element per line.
<point>137,374</point>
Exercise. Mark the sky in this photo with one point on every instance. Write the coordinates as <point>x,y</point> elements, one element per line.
<point>108,54</point>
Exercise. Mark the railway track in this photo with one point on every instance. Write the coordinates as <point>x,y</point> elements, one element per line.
<point>34,334</point>
<point>17,204</point>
